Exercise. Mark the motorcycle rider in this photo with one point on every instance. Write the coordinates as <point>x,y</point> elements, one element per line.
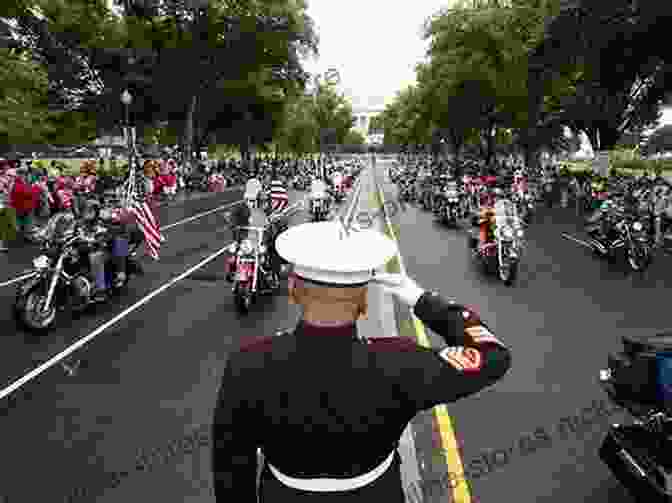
<point>97,255</point>
<point>486,219</point>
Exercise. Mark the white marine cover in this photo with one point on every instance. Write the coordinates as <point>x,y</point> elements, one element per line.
<point>318,189</point>
<point>252,188</point>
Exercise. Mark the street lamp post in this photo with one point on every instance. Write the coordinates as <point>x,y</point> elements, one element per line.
<point>126,100</point>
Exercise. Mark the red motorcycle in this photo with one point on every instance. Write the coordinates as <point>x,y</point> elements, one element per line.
<point>248,267</point>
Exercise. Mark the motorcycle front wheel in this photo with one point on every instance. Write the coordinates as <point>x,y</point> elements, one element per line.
<point>29,313</point>
<point>639,258</point>
<point>509,274</point>
<point>243,302</point>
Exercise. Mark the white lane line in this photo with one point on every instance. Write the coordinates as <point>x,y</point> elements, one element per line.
<point>74,347</point>
<point>165,227</point>
<point>199,215</point>
<point>17,279</point>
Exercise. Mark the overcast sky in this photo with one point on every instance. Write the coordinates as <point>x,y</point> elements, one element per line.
<point>374,44</point>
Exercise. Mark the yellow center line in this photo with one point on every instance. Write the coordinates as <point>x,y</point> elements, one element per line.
<point>457,483</point>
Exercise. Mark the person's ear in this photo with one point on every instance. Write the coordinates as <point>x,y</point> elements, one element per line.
<point>364,305</point>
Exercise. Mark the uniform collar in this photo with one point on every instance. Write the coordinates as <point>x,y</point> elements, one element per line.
<point>346,332</point>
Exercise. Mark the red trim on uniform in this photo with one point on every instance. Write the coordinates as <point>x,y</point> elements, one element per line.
<point>256,343</point>
<point>384,344</point>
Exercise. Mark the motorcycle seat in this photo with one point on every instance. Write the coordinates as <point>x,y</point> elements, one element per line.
<point>657,343</point>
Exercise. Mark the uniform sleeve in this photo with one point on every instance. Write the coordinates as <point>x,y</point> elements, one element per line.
<point>473,359</point>
<point>234,435</point>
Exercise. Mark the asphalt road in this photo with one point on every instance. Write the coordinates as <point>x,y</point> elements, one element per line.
<point>523,440</point>
<point>133,421</point>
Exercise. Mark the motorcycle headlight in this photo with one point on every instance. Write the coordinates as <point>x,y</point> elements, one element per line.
<point>637,226</point>
<point>262,249</point>
<point>507,233</point>
<point>246,247</point>
<point>41,262</point>
<point>233,247</point>
<point>520,233</point>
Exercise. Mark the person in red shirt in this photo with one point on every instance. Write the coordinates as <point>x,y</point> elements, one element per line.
<point>24,202</point>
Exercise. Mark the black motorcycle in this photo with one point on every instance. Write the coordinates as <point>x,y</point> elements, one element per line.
<point>451,205</point>
<point>639,379</point>
<point>625,233</point>
<point>61,276</point>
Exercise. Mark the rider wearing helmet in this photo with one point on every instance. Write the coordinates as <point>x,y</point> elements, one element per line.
<point>486,220</point>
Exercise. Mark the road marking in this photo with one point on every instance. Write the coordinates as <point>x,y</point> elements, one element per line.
<point>199,215</point>
<point>165,227</point>
<point>447,437</point>
<point>577,240</point>
<point>74,347</point>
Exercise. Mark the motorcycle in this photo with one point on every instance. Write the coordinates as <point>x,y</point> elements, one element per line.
<point>503,253</point>
<point>638,379</point>
<point>300,183</point>
<point>251,270</point>
<point>406,192</point>
<point>338,193</point>
<point>61,276</point>
<point>628,233</point>
<point>451,206</point>
<point>525,206</point>
<point>319,209</point>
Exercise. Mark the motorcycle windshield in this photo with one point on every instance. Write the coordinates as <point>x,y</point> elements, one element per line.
<point>61,226</point>
<point>505,213</point>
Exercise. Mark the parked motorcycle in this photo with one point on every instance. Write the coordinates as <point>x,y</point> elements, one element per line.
<point>61,276</point>
<point>252,274</point>
<point>625,232</point>
<point>639,379</point>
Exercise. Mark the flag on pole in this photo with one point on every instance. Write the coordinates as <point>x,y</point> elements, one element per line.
<point>149,226</point>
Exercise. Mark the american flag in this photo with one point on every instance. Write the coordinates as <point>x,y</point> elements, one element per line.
<point>150,228</point>
<point>279,197</point>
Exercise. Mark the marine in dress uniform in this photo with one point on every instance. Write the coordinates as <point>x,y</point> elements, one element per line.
<point>325,407</point>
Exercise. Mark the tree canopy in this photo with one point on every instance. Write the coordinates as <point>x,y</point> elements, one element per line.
<point>511,75</point>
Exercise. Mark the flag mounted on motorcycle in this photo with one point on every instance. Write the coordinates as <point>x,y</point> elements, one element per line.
<point>149,226</point>
<point>279,196</point>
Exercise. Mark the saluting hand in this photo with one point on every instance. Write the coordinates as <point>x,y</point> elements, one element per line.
<point>400,286</point>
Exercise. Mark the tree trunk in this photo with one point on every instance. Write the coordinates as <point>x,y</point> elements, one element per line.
<point>188,138</point>
<point>490,143</point>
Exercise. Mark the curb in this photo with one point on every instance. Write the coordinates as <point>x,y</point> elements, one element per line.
<point>410,470</point>
<point>443,423</point>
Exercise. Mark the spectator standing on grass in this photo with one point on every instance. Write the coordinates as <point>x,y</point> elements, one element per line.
<point>23,200</point>
<point>7,213</point>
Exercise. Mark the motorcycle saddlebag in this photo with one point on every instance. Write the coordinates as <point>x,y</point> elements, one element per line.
<point>642,373</point>
<point>634,457</point>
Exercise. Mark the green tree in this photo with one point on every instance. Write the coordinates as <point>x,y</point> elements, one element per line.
<point>354,138</point>
<point>24,116</point>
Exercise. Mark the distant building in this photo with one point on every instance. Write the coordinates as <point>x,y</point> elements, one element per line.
<point>363,118</point>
